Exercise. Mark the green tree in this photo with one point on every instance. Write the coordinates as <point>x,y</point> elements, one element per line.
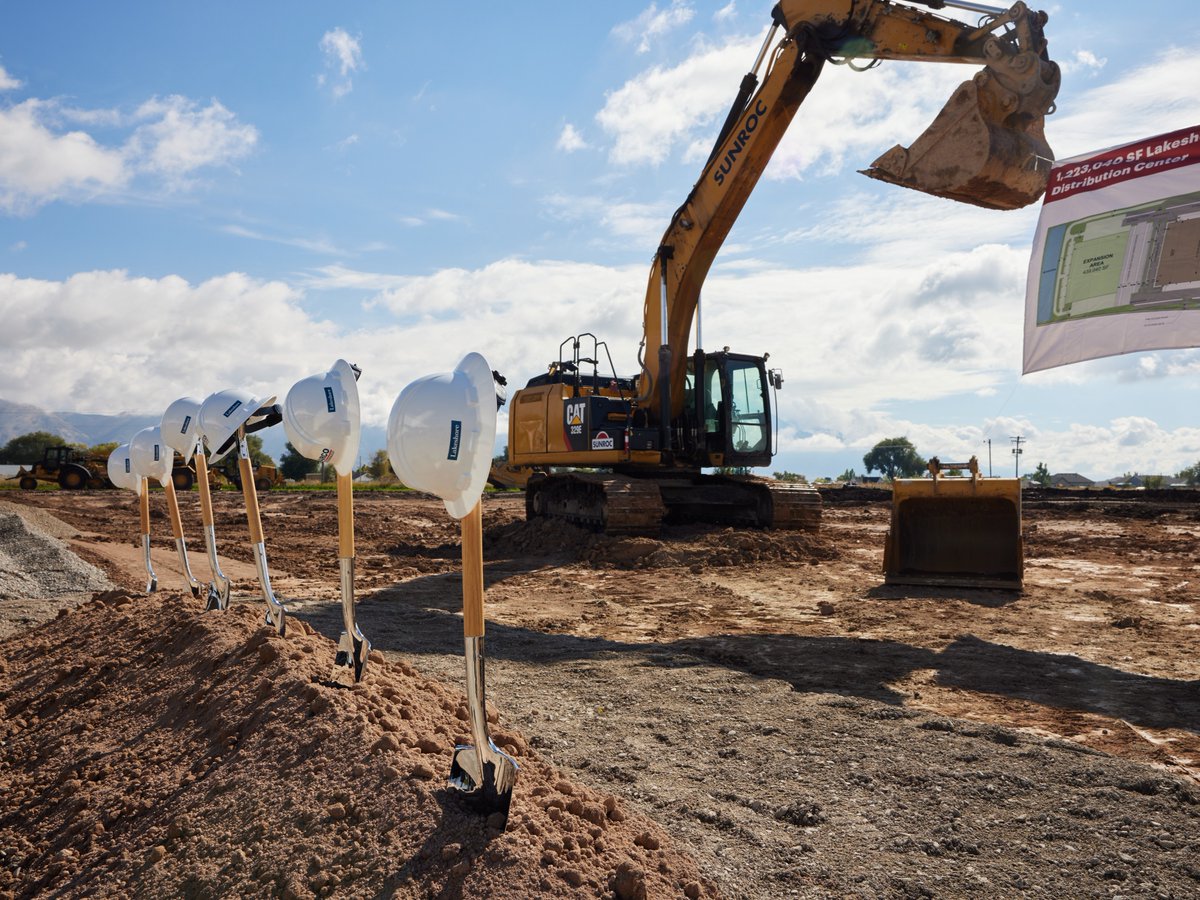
<point>103,449</point>
<point>789,476</point>
<point>380,466</point>
<point>293,465</point>
<point>1191,475</point>
<point>894,456</point>
<point>27,449</point>
<point>848,475</point>
<point>1041,475</point>
<point>255,444</point>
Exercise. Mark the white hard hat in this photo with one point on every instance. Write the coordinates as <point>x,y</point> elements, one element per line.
<point>441,431</point>
<point>151,458</point>
<point>223,413</point>
<point>321,417</point>
<point>181,426</point>
<point>120,470</point>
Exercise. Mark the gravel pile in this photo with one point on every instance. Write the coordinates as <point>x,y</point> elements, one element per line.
<point>35,564</point>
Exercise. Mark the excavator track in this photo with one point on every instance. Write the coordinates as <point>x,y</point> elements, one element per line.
<point>616,504</point>
<point>610,503</point>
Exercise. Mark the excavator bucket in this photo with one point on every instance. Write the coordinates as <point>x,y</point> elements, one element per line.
<point>974,154</point>
<point>955,531</point>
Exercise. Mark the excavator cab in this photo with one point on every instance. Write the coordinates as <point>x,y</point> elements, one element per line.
<point>955,531</point>
<point>731,411</point>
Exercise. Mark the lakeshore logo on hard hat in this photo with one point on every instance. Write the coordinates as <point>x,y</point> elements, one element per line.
<point>322,419</point>
<point>145,450</point>
<point>417,441</point>
<point>222,414</point>
<point>120,470</point>
<point>177,428</point>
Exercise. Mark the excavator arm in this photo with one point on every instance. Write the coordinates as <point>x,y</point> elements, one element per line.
<point>986,147</point>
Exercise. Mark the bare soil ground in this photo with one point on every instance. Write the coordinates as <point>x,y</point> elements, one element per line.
<point>794,726</point>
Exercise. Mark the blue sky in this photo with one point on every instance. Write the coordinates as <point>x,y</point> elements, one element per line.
<point>196,197</point>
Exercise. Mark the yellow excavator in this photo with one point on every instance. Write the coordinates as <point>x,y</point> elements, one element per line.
<point>643,441</point>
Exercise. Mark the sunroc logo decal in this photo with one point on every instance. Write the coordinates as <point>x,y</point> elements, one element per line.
<point>229,412</point>
<point>329,404</point>
<point>602,440</point>
<point>455,438</point>
<point>743,138</point>
<point>187,420</point>
<point>326,454</point>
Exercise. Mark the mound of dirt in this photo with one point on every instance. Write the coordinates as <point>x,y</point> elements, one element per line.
<point>152,750</point>
<point>692,547</point>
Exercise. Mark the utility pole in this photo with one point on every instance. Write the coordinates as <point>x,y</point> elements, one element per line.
<point>989,443</point>
<point>1017,451</point>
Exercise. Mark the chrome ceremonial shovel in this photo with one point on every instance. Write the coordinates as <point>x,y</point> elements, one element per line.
<point>144,509</point>
<point>482,770</point>
<point>353,648</point>
<point>218,589</point>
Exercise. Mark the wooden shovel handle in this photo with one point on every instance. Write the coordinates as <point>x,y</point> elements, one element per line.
<point>206,511</point>
<point>251,495</point>
<point>173,510</point>
<point>472,572</point>
<point>345,512</point>
<point>144,505</point>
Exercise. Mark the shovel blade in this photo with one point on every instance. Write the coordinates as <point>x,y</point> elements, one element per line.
<point>488,781</point>
<point>218,598</point>
<point>970,155</point>
<point>351,660</point>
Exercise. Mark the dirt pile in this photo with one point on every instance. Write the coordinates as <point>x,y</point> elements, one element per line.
<point>239,770</point>
<point>691,547</point>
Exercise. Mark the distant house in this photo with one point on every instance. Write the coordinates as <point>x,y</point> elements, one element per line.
<point>1070,480</point>
<point>1142,481</point>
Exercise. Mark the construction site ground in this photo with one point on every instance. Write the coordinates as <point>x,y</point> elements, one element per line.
<point>710,712</point>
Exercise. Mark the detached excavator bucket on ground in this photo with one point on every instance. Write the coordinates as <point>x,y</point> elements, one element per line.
<point>949,531</point>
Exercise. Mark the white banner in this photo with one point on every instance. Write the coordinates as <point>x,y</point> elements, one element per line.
<point>1116,258</point>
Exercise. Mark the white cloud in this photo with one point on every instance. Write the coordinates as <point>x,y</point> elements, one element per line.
<point>570,140</point>
<point>173,137</point>
<point>182,137</point>
<point>1157,97</point>
<point>1082,61</point>
<point>651,115</point>
<point>38,165</point>
<point>7,82</point>
<point>316,245</point>
<point>639,224</point>
<point>853,343</point>
<point>849,116</point>
<point>343,57</point>
<point>653,23</point>
<point>17,247</point>
<point>726,13</point>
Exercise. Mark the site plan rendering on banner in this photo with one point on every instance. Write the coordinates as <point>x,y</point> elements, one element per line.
<point>1116,260</point>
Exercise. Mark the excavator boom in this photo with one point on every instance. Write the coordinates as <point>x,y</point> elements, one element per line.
<point>986,147</point>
